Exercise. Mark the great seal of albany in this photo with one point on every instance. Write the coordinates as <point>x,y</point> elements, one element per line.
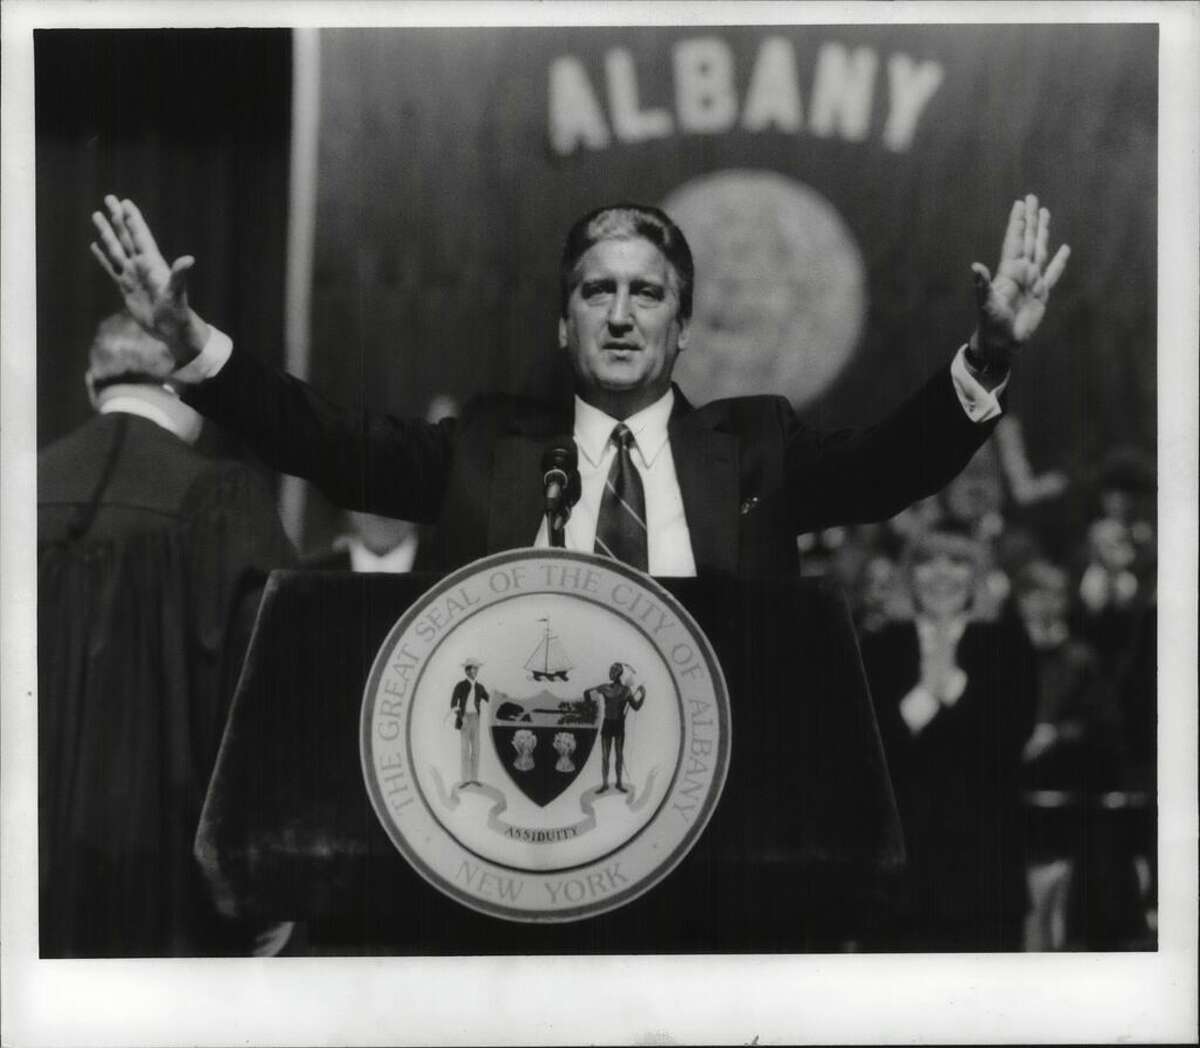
<point>545,735</point>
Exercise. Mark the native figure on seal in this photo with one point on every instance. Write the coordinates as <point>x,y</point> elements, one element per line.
<point>617,697</point>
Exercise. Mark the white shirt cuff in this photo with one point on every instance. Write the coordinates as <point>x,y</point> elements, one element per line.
<point>207,362</point>
<point>981,405</point>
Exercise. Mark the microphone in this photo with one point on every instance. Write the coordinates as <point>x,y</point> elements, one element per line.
<point>560,483</point>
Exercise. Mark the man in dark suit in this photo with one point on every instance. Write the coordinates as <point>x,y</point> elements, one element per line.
<point>151,557</point>
<point>722,489</point>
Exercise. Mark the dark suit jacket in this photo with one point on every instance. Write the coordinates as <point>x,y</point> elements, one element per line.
<point>151,557</point>
<point>458,700</point>
<point>751,475</point>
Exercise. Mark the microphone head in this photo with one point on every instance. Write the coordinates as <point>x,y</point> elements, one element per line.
<point>560,455</point>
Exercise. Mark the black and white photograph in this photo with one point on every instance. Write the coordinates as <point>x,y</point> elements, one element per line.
<point>599,523</point>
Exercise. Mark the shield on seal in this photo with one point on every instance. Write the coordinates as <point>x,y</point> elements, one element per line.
<point>543,742</point>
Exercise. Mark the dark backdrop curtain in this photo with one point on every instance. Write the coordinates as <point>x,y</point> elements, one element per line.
<point>195,127</point>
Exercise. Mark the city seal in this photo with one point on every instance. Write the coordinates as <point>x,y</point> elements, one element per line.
<point>545,735</point>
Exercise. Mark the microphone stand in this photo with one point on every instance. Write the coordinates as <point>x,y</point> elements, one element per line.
<point>556,528</point>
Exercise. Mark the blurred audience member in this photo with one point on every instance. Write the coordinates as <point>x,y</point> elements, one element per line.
<point>1108,582</point>
<point>974,502</point>
<point>1073,745</point>
<point>1118,563</point>
<point>877,595</point>
<point>954,697</point>
<point>371,543</point>
<point>1128,486</point>
<point>1082,828</point>
<point>150,560</point>
<point>1081,676</point>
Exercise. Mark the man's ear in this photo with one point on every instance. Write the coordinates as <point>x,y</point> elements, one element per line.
<point>685,328</point>
<point>562,333</point>
<point>91,390</point>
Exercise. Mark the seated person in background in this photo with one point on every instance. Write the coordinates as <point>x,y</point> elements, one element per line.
<point>876,601</point>
<point>974,502</point>
<point>370,543</point>
<point>1083,877</point>
<point>150,561</point>
<point>1073,745</point>
<point>954,697</point>
<point>373,543</point>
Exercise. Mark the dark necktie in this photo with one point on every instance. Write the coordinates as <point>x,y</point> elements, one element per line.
<point>621,527</point>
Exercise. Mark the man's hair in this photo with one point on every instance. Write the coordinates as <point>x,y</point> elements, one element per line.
<point>122,352</point>
<point>622,222</point>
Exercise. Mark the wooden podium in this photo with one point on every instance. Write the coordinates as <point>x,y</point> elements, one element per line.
<point>804,832</point>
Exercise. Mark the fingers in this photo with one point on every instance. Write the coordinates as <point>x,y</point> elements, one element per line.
<point>179,272</point>
<point>117,217</point>
<point>1014,235</point>
<point>982,283</point>
<point>1029,245</point>
<point>102,258</point>
<point>1043,237</point>
<point>139,232</point>
<point>1056,267</point>
<point>113,250</point>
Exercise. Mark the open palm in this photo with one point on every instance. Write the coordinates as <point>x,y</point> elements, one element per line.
<point>1012,303</point>
<point>155,294</point>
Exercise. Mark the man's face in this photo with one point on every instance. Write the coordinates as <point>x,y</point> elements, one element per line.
<point>622,327</point>
<point>472,672</point>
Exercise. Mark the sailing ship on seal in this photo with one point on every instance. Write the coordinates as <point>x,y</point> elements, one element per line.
<point>549,659</point>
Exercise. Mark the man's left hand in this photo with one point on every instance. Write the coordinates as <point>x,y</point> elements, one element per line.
<point>1011,304</point>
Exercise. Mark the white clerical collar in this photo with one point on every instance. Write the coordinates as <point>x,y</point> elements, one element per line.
<point>154,404</point>
<point>593,428</point>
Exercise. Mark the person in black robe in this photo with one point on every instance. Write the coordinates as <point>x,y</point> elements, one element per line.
<point>151,557</point>
<point>955,697</point>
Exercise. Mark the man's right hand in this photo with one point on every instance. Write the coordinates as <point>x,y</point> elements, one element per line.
<point>154,293</point>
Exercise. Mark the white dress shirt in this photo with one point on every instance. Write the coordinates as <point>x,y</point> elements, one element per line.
<point>668,541</point>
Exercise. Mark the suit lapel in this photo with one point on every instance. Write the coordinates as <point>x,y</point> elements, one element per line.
<point>706,464</point>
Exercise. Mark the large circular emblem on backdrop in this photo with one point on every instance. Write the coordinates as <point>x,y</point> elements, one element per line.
<point>545,735</point>
<point>780,292</point>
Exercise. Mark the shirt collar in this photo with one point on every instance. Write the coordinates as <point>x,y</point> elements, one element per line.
<point>157,405</point>
<point>397,560</point>
<point>593,428</point>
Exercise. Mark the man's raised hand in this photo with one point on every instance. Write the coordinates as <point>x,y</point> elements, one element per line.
<point>154,293</point>
<point>1012,303</point>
